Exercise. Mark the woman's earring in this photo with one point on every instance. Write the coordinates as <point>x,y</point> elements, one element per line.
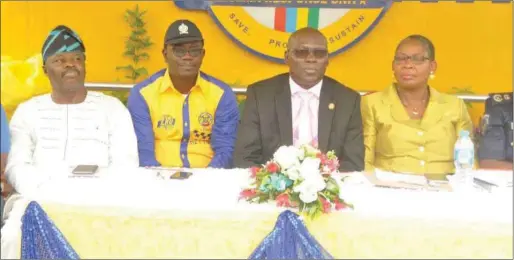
<point>432,76</point>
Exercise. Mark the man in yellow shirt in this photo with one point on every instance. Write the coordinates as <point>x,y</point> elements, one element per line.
<point>182,116</point>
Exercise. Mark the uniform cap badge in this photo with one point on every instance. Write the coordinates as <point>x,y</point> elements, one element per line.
<point>498,98</point>
<point>183,29</point>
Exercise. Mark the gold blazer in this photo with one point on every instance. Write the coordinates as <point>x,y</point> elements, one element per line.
<point>395,142</point>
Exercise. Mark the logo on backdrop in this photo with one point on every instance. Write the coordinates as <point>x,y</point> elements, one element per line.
<point>263,27</point>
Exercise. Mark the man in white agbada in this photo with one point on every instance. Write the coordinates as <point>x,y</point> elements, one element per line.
<point>53,133</point>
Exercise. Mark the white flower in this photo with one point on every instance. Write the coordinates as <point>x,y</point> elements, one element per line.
<point>308,197</point>
<point>318,183</point>
<point>286,157</point>
<point>292,173</point>
<point>313,184</point>
<point>309,188</point>
<point>310,166</point>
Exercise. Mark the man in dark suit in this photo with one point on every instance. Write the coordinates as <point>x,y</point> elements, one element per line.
<point>302,106</point>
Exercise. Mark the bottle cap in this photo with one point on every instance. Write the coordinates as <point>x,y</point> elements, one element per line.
<point>464,133</point>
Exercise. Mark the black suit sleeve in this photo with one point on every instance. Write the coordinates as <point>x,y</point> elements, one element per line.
<point>353,143</point>
<point>248,150</point>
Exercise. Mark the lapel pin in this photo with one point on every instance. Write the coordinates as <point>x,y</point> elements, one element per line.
<point>331,106</point>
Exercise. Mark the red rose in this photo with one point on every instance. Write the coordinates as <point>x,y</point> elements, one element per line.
<point>333,165</point>
<point>339,204</point>
<point>254,170</point>
<point>324,159</point>
<point>283,200</point>
<point>272,167</point>
<point>325,204</point>
<point>248,193</point>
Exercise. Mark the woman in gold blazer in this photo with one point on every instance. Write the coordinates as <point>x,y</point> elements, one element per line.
<point>410,127</point>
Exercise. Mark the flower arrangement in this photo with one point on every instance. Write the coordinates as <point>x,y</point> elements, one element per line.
<point>297,177</point>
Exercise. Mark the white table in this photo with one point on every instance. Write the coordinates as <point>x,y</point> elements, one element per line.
<point>140,191</point>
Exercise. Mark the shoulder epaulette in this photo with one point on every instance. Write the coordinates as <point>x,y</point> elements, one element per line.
<point>501,98</point>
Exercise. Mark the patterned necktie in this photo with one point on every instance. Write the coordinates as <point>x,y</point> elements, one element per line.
<point>305,119</point>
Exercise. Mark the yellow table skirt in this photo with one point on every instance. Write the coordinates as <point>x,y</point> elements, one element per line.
<point>114,233</point>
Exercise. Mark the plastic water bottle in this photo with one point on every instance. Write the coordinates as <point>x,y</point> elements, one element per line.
<point>464,157</point>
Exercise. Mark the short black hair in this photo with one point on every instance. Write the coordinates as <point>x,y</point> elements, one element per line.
<point>427,44</point>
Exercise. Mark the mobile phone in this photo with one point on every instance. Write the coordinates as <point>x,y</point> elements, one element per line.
<point>85,169</point>
<point>181,175</point>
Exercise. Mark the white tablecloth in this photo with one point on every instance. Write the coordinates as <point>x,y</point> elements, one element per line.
<point>141,191</point>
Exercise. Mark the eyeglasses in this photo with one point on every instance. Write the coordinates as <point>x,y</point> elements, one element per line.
<point>181,52</point>
<point>416,59</point>
<point>304,53</point>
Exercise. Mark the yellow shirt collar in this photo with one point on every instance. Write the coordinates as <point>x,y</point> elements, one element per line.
<point>167,84</point>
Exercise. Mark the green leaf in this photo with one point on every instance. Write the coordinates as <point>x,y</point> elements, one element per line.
<point>134,38</point>
<point>147,39</point>
<point>130,13</point>
<point>263,197</point>
<point>129,53</point>
<point>332,185</point>
<point>128,67</point>
<point>141,71</point>
<point>143,56</point>
<point>139,31</point>
<point>314,210</point>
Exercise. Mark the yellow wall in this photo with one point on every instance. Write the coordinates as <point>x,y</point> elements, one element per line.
<point>473,42</point>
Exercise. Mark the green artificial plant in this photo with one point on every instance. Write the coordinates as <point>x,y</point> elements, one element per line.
<point>136,46</point>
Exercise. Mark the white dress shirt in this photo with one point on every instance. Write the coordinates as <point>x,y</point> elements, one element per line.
<point>305,107</point>
<point>49,138</point>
